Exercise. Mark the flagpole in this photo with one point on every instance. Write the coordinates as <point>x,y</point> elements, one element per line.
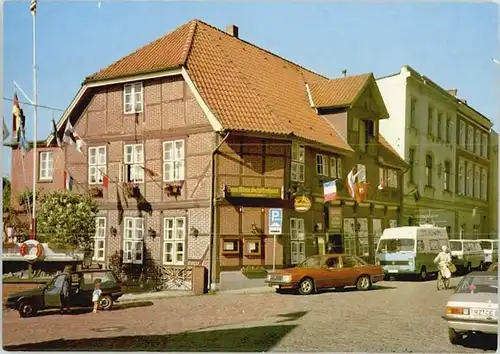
<point>35,107</point>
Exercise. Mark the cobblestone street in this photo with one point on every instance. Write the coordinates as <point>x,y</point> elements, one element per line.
<point>394,317</point>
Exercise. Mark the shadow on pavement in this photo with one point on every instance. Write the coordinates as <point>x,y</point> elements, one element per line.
<point>253,339</point>
<point>292,316</point>
<point>82,310</point>
<point>481,341</point>
<point>338,290</point>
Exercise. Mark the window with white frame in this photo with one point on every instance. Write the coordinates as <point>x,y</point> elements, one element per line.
<point>336,167</point>
<point>97,164</point>
<point>133,238</point>
<point>173,161</point>
<point>297,240</point>
<point>461,132</point>
<point>392,178</point>
<point>46,167</point>
<point>298,167</point>
<point>447,176</point>
<point>100,239</point>
<point>470,138</point>
<point>477,142</point>
<point>470,179</point>
<point>174,240</point>
<point>461,178</point>
<point>133,98</point>
<point>321,165</point>
<point>134,163</point>
<point>413,112</point>
<point>477,182</point>
<point>484,142</point>
<point>484,184</point>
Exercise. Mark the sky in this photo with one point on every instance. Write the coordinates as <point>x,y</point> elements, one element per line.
<point>451,43</point>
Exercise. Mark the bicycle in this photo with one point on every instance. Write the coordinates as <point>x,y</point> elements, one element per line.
<point>442,283</point>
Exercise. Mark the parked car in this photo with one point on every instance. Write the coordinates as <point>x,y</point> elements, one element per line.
<point>47,296</point>
<point>327,271</point>
<point>473,307</point>
<point>493,267</point>
<point>490,249</point>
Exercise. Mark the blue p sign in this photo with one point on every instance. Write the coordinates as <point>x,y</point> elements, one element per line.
<point>275,221</point>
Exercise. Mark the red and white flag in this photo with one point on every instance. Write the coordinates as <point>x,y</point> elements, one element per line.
<point>72,138</point>
<point>68,181</point>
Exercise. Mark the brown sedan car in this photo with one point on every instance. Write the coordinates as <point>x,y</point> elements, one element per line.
<point>327,271</point>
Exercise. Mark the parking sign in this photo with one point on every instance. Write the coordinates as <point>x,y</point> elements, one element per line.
<point>275,221</point>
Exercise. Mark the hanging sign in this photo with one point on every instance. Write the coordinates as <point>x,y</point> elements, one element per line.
<point>302,204</point>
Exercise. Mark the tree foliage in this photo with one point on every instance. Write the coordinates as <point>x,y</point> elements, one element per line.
<point>67,218</point>
<point>6,195</point>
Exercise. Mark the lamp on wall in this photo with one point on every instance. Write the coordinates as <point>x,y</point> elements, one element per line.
<point>152,233</point>
<point>194,231</point>
<point>113,231</point>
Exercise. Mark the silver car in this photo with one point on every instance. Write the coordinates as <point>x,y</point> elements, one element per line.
<point>473,307</point>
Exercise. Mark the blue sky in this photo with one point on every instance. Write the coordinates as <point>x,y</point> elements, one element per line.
<point>452,43</point>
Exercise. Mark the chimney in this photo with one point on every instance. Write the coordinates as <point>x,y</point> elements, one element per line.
<point>232,30</point>
<point>452,92</point>
<point>344,73</point>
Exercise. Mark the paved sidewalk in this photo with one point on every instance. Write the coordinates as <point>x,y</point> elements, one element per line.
<point>157,295</point>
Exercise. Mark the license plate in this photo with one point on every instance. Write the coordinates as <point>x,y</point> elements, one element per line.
<point>484,312</point>
<point>392,270</point>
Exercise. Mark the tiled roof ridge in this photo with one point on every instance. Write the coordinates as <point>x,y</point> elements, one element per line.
<point>249,85</point>
<point>264,50</point>
<point>90,77</point>
<point>341,78</point>
<point>189,42</point>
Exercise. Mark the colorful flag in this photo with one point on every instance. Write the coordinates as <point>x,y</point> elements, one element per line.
<point>105,181</point>
<point>351,181</point>
<point>119,207</point>
<point>150,172</point>
<point>361,189</point>
<point>6,132</point>
<point>18,119</point>
<point>68,181</point>
<point>72,138</point>
<point>330,190</point>
<point>54,132</point>
<point>33,4</point>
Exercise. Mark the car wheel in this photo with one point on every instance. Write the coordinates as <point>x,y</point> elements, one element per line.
<point>106,303</point>
<point>27,309</point>
<point>363,283</point>
<point>423,273</point>
<point>469,268</point>
<point>455,338</point>
<point>306,286</point>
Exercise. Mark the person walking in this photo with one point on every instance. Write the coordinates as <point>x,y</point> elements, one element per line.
<point>65,291</point>
<point>96,295</point>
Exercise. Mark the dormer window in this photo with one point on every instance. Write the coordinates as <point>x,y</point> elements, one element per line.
<point>133,98</point>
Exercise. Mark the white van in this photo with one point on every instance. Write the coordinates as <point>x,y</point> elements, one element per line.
<point>467,254</point>
<point>410,249</point>
<point>490,249</point>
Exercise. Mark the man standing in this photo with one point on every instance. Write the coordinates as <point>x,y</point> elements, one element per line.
<point>65,291</point>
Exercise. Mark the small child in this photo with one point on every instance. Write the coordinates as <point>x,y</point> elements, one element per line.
<point>96,294</point>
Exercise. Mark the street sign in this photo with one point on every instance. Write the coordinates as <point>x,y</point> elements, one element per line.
<point>275,221</point>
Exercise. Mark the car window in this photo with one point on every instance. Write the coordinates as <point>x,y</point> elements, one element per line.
<point>467,246</point>
<point>434,245</point>
<point>443,243</point>
<point>349,262</point>
<point>478,284</point>
<point>103,277</point>
<point>57,282</point>
<point>332,262</point>
<point>420,246</point>
<point>311,262</point>
<point>455,246</point>
<point>486,245</point>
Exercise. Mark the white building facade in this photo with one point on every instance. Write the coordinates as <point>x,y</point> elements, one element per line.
<point>424,128</point>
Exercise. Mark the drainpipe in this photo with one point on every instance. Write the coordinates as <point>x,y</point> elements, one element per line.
<point>213,252</point>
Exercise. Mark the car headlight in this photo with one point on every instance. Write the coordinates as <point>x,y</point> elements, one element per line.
<point>269,277</point>
<point>287,278</point>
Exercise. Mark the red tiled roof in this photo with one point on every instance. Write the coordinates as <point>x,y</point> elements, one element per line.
<point>339,92</point>
<point>246,87</point>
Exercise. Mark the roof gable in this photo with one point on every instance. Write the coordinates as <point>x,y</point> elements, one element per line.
<point>340,92</point>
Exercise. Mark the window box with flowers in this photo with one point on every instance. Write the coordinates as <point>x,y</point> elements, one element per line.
<point>231,247</point>
<point>173,189</point>
<point>96,192</point>
<point>132,190</point>
<point>253,247</point>
<point>254,272</point>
